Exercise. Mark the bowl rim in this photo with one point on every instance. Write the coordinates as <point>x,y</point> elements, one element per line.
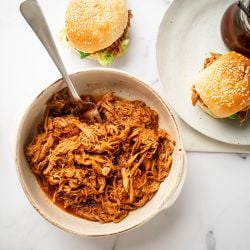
<point>176,190</point>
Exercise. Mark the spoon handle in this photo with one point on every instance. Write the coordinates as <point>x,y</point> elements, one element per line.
<point>35,18</point>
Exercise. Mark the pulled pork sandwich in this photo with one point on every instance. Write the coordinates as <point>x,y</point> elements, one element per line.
<point>97,29</point>
<point>222,88</point>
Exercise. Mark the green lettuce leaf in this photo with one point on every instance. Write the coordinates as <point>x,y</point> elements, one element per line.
<point>83,54</point>
<point>233,117</point>
<point>124,45</point>
<point>211,114</point>
<point>105,58</point>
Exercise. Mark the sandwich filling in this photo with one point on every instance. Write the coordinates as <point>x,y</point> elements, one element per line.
<point>107,55</point>
<point>195,97</point>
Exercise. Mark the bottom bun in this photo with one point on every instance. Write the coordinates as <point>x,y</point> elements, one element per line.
<point>206,110</point>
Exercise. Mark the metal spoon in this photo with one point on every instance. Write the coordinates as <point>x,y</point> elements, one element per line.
<point>35,18</point>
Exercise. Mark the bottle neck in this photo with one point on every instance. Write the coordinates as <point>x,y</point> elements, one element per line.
<point>244,18</point>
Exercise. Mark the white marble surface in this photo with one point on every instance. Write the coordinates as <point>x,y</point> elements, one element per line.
<point>212,211</point>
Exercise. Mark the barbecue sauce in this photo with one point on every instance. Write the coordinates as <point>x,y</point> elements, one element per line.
<point>235,29</point>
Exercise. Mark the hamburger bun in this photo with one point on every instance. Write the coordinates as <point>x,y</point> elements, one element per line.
<point>93,25</point>
<point>224,85</point>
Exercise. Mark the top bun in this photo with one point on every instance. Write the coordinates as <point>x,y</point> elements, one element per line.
<point>93,25</point>
<point>224,85</point>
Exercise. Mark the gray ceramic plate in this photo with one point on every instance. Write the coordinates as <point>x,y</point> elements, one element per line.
<point>188,32</point>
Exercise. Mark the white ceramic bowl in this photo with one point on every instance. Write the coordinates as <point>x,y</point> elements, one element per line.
<point>99,81</point>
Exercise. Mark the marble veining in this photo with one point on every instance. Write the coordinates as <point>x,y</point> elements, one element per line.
<point>154,82</point>
<point>115,243</point>
<point>210,240</point>
<point>243,156</point>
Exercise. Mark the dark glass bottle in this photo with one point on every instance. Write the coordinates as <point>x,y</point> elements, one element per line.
<point>235,29</point>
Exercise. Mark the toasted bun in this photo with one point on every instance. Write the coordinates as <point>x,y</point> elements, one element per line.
<point>206,110</point>
<point>93,25</point>
<point>224,86</point>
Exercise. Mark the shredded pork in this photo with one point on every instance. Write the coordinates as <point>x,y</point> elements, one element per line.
<point>100,172</point>
<point>209,60</point>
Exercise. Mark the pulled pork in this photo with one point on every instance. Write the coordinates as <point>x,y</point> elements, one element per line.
<point>194,96</point>
<point>242,115</point>
<point>96,171</point>
<point>213,57</point>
